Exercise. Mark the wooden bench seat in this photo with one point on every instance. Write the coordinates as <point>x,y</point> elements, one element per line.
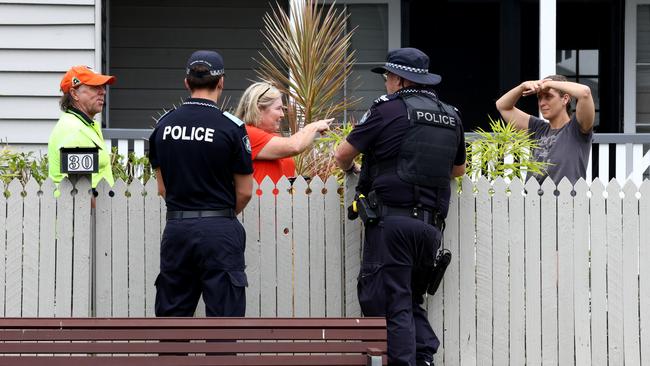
<point>192,341</point>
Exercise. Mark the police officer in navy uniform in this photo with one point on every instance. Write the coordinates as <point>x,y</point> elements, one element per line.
<point>202,158</point>
<point>412,145</point>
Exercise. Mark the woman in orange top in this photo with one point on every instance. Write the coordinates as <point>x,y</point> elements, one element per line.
<point>261,108</point>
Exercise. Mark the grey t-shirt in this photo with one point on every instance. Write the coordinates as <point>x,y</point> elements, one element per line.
<point>566,148</point>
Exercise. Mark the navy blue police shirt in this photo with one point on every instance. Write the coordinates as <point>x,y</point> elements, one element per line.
<point>380,133</point>
<point>198,148</point>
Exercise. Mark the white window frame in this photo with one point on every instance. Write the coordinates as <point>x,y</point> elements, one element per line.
<point>629,65</point>
<point>547,37</point>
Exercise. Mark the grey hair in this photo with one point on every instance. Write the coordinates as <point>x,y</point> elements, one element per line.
<point>66,101</point>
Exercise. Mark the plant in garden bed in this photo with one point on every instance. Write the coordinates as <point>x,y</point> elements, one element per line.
<point>22,165</point>
<point>25,165</point>
<point>320,160</point>
<point>504,152</point>
<point>309,61</point>
<point>130,167</point>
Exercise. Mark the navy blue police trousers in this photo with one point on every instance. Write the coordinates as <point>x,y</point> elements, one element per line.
<point>391,250</point>
<point>202,256</point>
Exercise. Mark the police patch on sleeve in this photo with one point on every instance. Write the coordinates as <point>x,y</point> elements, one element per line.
<point>247,143</point>
<point>383,98</point>
<point>364,118</point>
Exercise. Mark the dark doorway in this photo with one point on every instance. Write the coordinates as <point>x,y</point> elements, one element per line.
<point>484,48</point>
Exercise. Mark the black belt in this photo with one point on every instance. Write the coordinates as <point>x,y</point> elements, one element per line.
<point>428,216</point>
<point>226,212</point>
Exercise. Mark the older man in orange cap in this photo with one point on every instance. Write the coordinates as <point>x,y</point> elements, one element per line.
<point>84,91</point>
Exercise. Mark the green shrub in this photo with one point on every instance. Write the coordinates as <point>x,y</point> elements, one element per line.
<point>26,165</point>
<point>131,167</point>
<point>486,155</point>
<point>22,166</point>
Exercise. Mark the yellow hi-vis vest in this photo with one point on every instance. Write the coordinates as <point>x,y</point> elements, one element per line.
<point>72,131</point>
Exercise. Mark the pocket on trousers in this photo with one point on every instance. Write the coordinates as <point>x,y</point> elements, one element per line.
<point>238,278</point>
<point>370,290</point>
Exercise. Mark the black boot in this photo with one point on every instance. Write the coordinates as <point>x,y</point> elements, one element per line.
<point>423,363</point>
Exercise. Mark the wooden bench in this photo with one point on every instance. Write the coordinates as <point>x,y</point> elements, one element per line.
<point>192,341</point>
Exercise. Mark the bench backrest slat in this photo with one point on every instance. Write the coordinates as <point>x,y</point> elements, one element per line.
<point>311,360</point>
<point>176,347</point>
<point>191,334</point>
<point>211,323</point>
<point>191,341</point>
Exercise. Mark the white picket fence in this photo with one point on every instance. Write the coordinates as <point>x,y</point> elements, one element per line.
<point>540,276</point>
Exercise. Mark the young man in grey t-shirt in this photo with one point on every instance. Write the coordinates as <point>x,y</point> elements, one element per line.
<point>564,141</point>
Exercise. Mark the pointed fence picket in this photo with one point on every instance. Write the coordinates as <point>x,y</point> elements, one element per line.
<point>301,247</point>
<point>333,249</point>
<point>3,248</point>
<point>581,274</point>
<point>284,235</point>
<point>516,277</point>
<point>614,274</point>
<point>154,210</point>
<point>484,290</point>
<point>540,275</point>
<point>598,274</point>
<point>47,249</point>
<point>251,217</point>
<point>565,276</point>
<point>644,270</point>
<point>467,273</point>
<point>448,297</point>
<point>630,261</point>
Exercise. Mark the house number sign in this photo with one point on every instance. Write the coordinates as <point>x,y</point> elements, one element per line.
<point>79,160</point>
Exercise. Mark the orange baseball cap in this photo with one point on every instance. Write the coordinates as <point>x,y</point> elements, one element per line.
<point>78,75</point>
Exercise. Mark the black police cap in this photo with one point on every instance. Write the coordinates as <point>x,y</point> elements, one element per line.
<point>411,64</point>
<point>208,59</point>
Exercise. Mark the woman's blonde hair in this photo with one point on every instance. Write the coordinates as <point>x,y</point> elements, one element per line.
<point>256,97</point>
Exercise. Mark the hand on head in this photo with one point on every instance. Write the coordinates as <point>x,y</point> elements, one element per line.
<point>531,87</point>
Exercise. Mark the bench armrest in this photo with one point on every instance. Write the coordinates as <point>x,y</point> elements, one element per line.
<point>374,357</point>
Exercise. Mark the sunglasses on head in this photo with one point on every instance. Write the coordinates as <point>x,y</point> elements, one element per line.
<point>261,95</point>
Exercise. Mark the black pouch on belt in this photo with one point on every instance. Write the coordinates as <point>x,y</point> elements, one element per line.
<point>442,261</point>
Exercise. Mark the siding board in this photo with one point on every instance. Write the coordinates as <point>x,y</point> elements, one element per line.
<point>72,37</point>
<point>15,131</point>
<point>50,2</point>
<point>39,41</point>
<point>27,108</point>
<point>58,61</point>
<point>40,84</point>
<point>46,14</point>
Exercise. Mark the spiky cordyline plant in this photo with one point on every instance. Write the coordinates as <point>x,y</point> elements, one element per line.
<point>310,62</point>
<point>487,154</point>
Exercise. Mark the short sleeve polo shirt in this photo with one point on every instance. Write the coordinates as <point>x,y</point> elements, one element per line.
<point>275,168</point>
<point>379,134</point>
<point>198,149</point>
